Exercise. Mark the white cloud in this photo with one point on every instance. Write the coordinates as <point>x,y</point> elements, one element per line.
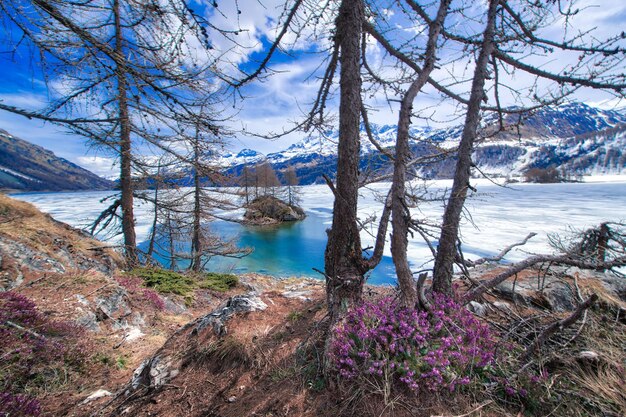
<point>99,165</point>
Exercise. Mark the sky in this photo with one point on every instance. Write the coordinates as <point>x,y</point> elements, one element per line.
<point>274,103</point>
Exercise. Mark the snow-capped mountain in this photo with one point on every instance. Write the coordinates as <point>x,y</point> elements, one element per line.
<point>576,137</point>
<point>244,156</point>
<point>326,145</point>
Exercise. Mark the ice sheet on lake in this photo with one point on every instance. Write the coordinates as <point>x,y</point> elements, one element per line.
<point>499,216</point>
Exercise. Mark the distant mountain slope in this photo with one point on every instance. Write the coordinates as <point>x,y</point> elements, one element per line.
<point>575,137</point>
<point>28,167</point>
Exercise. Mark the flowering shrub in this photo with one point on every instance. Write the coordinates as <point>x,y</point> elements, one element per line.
<point>35,350</point>
<point>419,350</point>
<point>135,285</point>
<point>18,405</point>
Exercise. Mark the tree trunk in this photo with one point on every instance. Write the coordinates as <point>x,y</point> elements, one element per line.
<point>171,240</point>
<point>155,219</point>
<point>446,251</point>
<point>126,180</point>
<point>196,250</point>
<point>245,184</point>
<point>400,213</point>
<point>343,258</point>
<point>603,242</point>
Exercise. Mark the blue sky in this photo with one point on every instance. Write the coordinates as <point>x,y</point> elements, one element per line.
<point>272,105</point>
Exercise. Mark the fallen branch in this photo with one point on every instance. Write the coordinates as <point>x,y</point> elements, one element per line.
<point>534,260</point>
<point>558,326</point>
<point>502,254</point>
<point>580,299</point>
<point>24,329</point>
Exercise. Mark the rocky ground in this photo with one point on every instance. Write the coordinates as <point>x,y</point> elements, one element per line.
<point>257,349</point>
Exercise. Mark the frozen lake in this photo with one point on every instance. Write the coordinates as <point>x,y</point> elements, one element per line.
<point>497,217</point>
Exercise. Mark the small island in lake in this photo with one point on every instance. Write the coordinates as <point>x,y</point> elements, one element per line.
<point>269,210</point>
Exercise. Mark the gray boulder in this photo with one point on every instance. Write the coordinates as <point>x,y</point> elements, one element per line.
<point>235,305</point>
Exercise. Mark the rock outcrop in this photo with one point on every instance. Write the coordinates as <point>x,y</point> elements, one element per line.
<point>267,209</point>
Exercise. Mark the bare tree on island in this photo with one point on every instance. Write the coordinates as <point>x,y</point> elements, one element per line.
<point>291,181</point>
<point>265,179</point>
<point>246,181</point>
<point>130,71</point>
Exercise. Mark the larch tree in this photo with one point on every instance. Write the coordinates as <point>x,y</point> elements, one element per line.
<point>265,179</point>
<point>246,181</point>
<point>345,264</point>
<point>401,216</point>
<point>128,71</point>
<point>291,181</point>
<point>511,42</point>
<point>500,43</point>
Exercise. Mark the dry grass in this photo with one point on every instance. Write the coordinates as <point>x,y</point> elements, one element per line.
<point>602,386</point>
<point>23,222</point>
<point>11,208</point>
<point>606,297</point>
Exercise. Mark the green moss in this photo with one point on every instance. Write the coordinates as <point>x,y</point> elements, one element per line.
<point>103,359</point>
<point>294,316</point>
<point>121,362</point>
<point>166,281</point>
<point>218,282</point>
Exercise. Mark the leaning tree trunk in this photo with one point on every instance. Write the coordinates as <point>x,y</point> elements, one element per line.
<point>401,216</point>
<point>344,265</point>
<point>126,181</point>
<point>446,250</point>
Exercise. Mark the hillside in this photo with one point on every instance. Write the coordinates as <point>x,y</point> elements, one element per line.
<point>28,167</point>
<point>72,322</point>
<point>575,137</point>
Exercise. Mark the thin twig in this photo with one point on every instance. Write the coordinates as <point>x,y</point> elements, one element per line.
<point>469,412</point>
<point>558,325</point>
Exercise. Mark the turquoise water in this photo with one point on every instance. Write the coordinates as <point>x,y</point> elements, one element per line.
<point>499,217</point>
<point>287,250</point>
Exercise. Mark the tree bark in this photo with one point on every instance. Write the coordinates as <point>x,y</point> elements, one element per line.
<point>126,180</point>
<point>155,218</point>
<point>196,240</point>
<point>344,265</point>
<point>401,217</point>
<point>446,250</point>
<point>603,242</point>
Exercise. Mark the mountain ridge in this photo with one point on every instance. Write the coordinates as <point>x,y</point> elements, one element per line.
<point>28,167</point>
<point>575,137</point>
